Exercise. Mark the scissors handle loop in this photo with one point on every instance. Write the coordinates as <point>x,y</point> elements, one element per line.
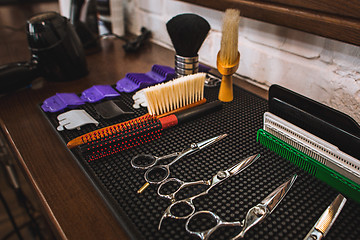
<point>204,235</point>
<point>181,185</point>
<point>157,174</point>
<point>145,161</point>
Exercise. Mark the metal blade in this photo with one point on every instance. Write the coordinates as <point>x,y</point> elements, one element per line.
<point>210,141</point>
<point>274,198</point>
<point>327,219</point>
<point>237,168</point>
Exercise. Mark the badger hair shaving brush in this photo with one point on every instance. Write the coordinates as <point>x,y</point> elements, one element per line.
<point>187,33</point>
<point>228,57</point>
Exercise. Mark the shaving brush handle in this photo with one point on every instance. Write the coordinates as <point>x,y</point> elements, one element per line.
<point>226,89</point>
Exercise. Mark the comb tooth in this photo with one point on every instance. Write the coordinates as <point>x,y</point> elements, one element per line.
<point>159,70</point>
<point>133,78</point>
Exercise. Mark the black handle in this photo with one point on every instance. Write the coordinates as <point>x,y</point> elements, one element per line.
<point>198,111</point>
<point>17,75</point>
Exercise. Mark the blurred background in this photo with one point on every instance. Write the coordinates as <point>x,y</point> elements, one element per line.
<point>20,216</point>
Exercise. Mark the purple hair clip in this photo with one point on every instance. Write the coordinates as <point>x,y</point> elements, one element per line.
<point>99,92</point>
<point>136,81</point>
<point>60,101</point>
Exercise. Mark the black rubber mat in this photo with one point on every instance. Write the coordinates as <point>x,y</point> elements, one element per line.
<point>139,214</point>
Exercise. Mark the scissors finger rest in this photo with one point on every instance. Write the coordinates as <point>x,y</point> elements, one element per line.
<point>204,223</point>
<point>171,186</point>
<point>183,209</point>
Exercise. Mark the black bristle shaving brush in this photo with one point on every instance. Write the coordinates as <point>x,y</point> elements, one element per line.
<point>187,33</point>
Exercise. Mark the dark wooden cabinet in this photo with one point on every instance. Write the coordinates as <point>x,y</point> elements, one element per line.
<point>335,19</point>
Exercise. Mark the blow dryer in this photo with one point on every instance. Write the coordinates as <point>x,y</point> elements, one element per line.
<point>56,54</point>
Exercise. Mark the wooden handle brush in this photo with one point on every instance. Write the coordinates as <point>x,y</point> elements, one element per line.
<point>142,131</point>
<point>163,99</point>
<point>228,57</point>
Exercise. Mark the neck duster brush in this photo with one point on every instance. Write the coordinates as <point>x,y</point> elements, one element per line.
<point>228,57</point>
<point>187,33</point>
<point>169,104</point>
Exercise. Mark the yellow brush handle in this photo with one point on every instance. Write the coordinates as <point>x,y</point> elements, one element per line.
<point>226,89</point>
<point>227,70</point>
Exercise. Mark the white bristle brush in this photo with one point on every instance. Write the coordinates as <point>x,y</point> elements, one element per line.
<point>175,94</point>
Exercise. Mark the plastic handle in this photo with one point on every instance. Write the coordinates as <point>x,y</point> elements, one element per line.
<point>197,111</point>
<point>16,75</point>
<point>226,89</point>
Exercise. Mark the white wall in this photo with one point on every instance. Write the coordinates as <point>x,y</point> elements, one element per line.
<point>323,69</point>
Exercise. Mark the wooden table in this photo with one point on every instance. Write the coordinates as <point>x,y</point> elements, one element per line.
<point>71,204</point>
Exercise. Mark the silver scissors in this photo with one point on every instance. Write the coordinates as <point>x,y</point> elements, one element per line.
<point>254,216</point>
<point>156,174</point>
<point>215,180</point>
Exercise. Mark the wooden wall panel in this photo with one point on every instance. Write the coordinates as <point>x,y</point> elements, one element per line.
<point>339,20</point>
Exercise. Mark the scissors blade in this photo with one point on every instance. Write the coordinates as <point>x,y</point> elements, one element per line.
<point>327,219</point>
<point>237,168</point>
<point>274,198</point>
<point>210,141</point>
<point>259,212</point>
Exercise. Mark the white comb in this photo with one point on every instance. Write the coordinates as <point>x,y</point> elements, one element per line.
<point>315,147</point>
<point>180,92</point>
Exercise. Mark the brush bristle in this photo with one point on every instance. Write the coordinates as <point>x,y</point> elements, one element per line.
<point>187,33</point>
<point>166,97</point>
<point>230,33</point>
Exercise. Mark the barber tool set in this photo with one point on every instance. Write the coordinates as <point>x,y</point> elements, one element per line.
<point>176,158</point>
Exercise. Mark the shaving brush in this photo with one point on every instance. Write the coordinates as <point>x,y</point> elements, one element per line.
<point>228,57</point>
<point>187,33</point>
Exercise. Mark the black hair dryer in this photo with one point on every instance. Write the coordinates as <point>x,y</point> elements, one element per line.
<point>56,54</point>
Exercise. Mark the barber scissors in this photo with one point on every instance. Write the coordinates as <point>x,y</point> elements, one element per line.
<point>215,180</point>
<point>156,174</point>
<point>254,216</point>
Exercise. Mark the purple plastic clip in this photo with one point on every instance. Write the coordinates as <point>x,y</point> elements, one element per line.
<point>61,101</point>
<point>204,68</point>
<point>98,92</point>
<point>136,81</point>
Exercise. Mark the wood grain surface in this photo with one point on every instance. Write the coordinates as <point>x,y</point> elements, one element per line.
<point>335,19</point>
<point>71,204</point>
